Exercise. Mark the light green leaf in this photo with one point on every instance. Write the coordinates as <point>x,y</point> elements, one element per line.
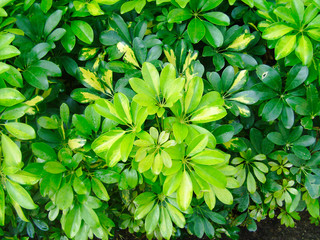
<point>73,222</point>
<point>176,216</point>
<point>83,31</point>
<point>64,197</point>
<point>211,175</point>
<point>208,114</point>
<point>172,183</point>
<point>251,183</point>
<point>20,195</point>
<point>11,152</point>
<point>180,131</point>
<point>276,30</point>
<point>223,195</point>
<point>297,7</point>
<point>241,42</point>
<point>10,97</point>
<point>89,216</point>
<point>152,219</point>
<point>99,189</point>
<point>2,206</point>
<point>54,167</point>
<point>20,130</point>
<point>151,76</point>
<point>184,193</point>
<point>23,177</point>
<point>143,210</point>
<point>193,94</point>
<point>285,46</point>
<point>197,145</point>
<point>304,50</point>
<point>209,157</point>
<point>165,223</point>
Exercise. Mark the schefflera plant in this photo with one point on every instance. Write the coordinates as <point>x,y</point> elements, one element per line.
<point>189,160</point>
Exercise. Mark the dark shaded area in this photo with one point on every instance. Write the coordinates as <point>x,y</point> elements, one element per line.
<point>271,229</point>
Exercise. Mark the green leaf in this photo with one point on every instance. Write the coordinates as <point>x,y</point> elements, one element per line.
<point>20,195</point>
<point>196,30</point>
<point>52,21</point>
<point>12,76</point>
<point>211,4</point>
<point>211,175</point>
<point>304,50</point>
<point>73,222</point>
<point>180,131</point>
<point>109,38</point>
<point>54,167</point>
<point>99,190</point>
<point>152,219</point>
<point>184,193</point>
<point>193,94</point>
<point>179,15</point>
<point>285,46</point>
<point>296,76</point>
<point>297,7</point>
<point>4,67</point>
<point>241,42</point>
<point>217,18</point>
<point>276,31</point>
<point>36,77</point>
<point>223,195</point>
<point>48,123</point>
<point>122,106</point>
<point>45,5</point>
<point>213,35</point>
<point>20,130</point>
<point>118,24</point>
<point>165,223</point>
<point>301,152</point>
<point>151,76</point>
<point>144,209</point>
<point>64,197</point>
<point>25,178</point>
<point>182,3</point>
<point>94,9</point>
<point>68,40</point>
<point>14,112</point>
<point>251,183</point>
<point>10,97</point>
<point>197,145</point>
<point>172,183</point>
<point>144,198</point>
<point>2,206</point>
<point>208,114</point>
<point>270,77</point>
<point>209,157</point>
<point>83,31</point>
<point>176,216</point>
<point>246,97</point>
<point>276,138</point>
<point>11,152</point>
<point>51,68</point>
<point>8,52</point>
<point>224,133</point>
<point>272,109</point>
<point>89,216</point>
<point>44,151</point>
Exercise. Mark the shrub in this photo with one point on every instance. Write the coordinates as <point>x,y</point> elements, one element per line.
<point>163,118</point>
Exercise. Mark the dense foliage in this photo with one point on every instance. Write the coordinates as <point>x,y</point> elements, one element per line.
<point>163,118</point>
